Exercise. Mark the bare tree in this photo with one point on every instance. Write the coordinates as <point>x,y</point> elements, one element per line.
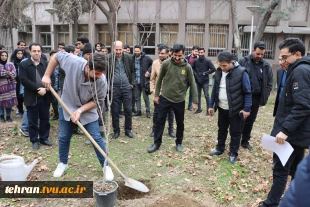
<point>260,28</point>
<point>70,11</point>
<point>12,16</point>
<point>111,15</point>
<point>237,40</point>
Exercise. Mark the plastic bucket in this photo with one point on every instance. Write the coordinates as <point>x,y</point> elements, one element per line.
<point>106,199</point>
<point>12,168</point>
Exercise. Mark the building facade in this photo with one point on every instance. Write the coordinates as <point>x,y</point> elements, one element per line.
<point>205,23</point>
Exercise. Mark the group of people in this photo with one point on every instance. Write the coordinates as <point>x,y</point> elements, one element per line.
<point>240,88</point>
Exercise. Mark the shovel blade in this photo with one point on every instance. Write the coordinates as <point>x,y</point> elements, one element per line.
<point>134,184</point>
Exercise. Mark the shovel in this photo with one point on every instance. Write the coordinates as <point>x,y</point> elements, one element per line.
<point>131,183</point>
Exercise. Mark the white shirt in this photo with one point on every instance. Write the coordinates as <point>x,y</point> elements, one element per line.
<point>223,101</point>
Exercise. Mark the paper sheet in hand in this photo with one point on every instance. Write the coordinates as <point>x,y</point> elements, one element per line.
<point>283,151</point>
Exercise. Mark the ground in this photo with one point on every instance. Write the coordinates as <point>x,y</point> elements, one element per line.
<point>191,178</point>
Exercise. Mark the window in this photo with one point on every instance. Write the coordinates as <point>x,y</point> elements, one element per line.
<point>83,30</point>
<point>169,34</point>
<point>194,37</point>
<point>104,35</point>
<point>300,36</point>
<point>63,34</point>
<point>270,40</point>
<point>45,38</point>
<point>25,33</point>
<point>218,39</point>
<point>245,43</point>
<point>147,38</point>
<point>125,34</point>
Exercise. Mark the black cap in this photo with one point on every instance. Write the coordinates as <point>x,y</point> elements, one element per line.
<point>87,48</point>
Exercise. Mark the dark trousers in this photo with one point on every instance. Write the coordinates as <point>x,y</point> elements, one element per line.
<point>280,175</point>
<point>124,95</point>
<point>20,105</point>
<point>133,100</point>
<point>170,117</point>
<point>249,122</point>
<point>234,124</point>
<point>164,107</point>
<point>205,88</point>
<point>40,111</point>
<point>138,90</point>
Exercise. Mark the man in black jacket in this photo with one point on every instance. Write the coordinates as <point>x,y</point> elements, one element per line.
<point>36,98</point>
<point>143,70</point>
<point>293,115</point>
<point>202,68</point>
<point>121,78</point>
<point>231,96</point>
<point>261,77</point>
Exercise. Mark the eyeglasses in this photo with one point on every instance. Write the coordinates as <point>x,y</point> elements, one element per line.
<point>284,57</point>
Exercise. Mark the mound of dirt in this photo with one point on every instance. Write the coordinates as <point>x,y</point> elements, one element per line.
<point>176,200</point>
<point>126,193</point>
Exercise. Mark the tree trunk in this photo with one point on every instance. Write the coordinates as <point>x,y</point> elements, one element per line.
<point>75,28</point>
<point>237,41</point>
<point>112,24</point>
<point>111,14</point>
<point>260,28</point>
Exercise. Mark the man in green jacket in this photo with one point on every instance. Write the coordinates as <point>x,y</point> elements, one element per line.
<point>175,72</point>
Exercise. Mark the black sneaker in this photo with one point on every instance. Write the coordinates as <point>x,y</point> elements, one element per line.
<point>2,119</point>
<point>232,158</point>
<point>247,146</point>
<point>35,146</point>
<point>8,119</point>
<point>216,152</point>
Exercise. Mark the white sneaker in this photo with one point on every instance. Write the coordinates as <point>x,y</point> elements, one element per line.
<point>61,168</point>
<point>109,176</point>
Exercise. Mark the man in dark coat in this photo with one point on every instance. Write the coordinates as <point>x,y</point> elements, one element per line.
<point>143,70</point>
<point>121,80</point>
<point>36,97</point>
<point>202,68</point>
<point>261,77</point>
<point>293,116</point>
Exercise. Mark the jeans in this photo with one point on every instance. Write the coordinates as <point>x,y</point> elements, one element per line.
<point>65,134</point>
<point>138,90</point>
<point>249,122</point>
<point>205,88</point>
<point>24,125</point>
<point>234,124</point>
<point>280,175</point>
<point>124,95</point>
<point>164,107</point>
<point>7,110</point>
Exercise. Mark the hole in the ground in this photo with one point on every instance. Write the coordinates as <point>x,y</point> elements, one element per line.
<point>126,193</point>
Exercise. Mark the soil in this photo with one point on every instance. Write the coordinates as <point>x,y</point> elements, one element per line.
<point>100,188</point>
<point>126,193</point>
<point>176,200</point>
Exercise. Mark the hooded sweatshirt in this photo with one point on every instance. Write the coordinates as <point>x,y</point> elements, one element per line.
<point>173,81</point>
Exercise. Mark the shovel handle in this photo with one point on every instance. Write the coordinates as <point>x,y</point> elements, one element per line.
<point>87,134</point>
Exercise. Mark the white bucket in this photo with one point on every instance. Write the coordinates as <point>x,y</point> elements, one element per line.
<point>12,168</point>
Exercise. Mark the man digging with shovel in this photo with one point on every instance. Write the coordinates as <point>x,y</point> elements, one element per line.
<point>83,80</point>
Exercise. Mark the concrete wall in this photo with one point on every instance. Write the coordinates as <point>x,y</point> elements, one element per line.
<point>183,12</point>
